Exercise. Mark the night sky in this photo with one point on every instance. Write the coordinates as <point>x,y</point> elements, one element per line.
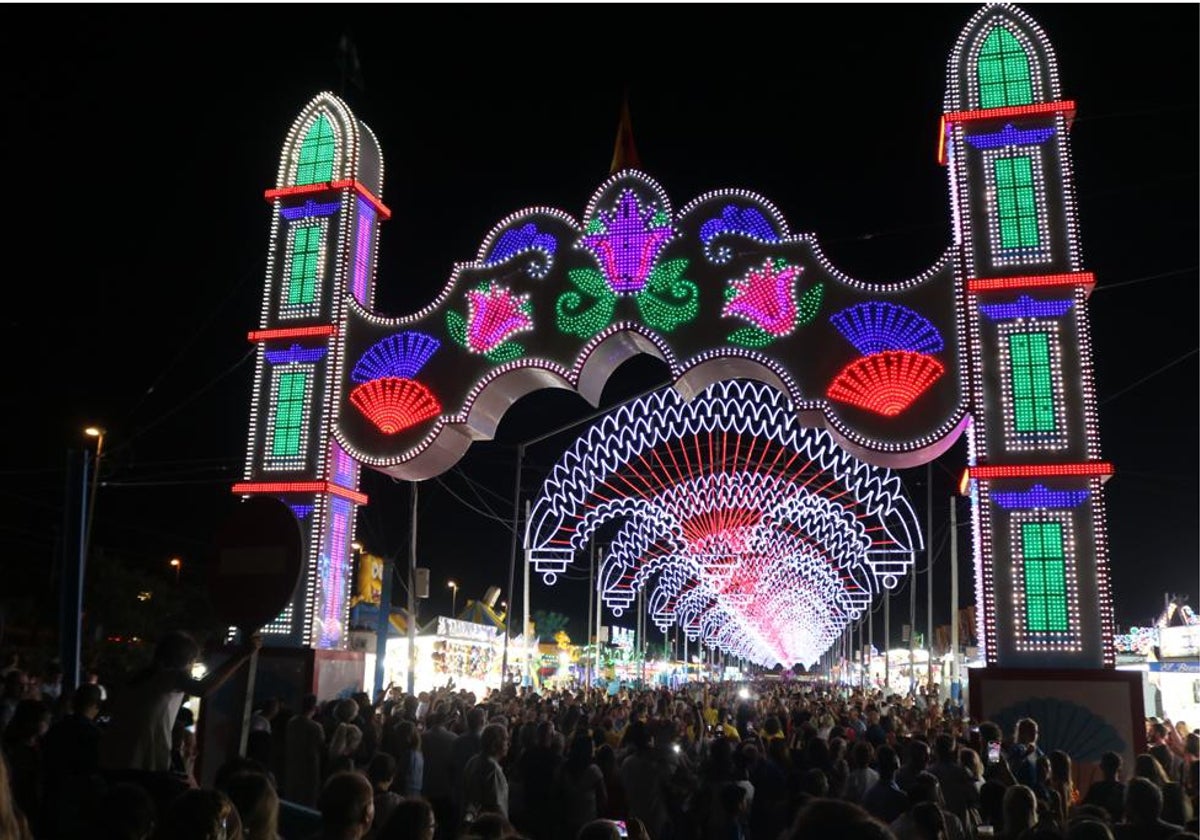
<point>140,139</point>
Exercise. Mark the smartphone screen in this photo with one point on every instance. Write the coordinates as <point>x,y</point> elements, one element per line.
<point>993,752</point>
<point>622,831</point>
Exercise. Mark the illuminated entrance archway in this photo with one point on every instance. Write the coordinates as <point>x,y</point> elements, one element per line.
<point>992,339</point>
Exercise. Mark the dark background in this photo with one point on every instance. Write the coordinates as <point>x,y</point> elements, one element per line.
<point>140,138</point>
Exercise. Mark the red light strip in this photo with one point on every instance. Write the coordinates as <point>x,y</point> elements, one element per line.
<point>248,487</point>
<point>975,285</point>
<point>1089,468</point>
<point>1066,106</point>
<point>326,186</point>
<point>292,332</point>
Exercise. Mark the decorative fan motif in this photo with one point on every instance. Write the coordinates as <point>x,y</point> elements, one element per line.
<point>1063,725</point>
<point>885,383</point>
<point>394,404</point>
<point>401,355</point>
<point>876,326</point>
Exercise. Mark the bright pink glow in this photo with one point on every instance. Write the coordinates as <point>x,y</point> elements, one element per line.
<point>766,298</point>
<point>494,315</point>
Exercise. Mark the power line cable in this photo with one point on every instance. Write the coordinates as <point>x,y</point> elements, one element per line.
<point>1151,375</point>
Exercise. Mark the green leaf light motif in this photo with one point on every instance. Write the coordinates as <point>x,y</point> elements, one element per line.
<point>669,299</point>
<point>590,309</point>
<point>456,327</point>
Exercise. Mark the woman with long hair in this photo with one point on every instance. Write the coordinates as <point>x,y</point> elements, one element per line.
<point>13,825</point>
<point>1061,786</point>
<point>257,804</point>
<point>582,796</point>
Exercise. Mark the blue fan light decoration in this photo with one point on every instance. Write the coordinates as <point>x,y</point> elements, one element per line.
<point>876,326</point>
<point>401,355</point>
<point>389,394</point>
<point>1063,725</point>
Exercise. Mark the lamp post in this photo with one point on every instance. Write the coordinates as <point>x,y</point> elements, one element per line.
<point>97,433</point>
<point>453,598</point>
<point>176,564</point>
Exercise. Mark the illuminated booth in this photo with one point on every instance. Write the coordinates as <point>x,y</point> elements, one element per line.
<point>992,340</point>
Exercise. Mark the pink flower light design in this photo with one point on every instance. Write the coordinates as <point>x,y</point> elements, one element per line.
<point>493,315</point>
<point>766,298</point>
<point>629,244</point>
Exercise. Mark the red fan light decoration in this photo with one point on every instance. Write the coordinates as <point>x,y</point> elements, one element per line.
<point>885,383</point>
<point>395,404</point>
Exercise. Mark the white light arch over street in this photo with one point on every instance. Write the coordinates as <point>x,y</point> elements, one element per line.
<point>756,535</point>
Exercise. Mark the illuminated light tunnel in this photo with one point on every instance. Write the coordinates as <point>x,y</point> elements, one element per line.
<point>754,534</point>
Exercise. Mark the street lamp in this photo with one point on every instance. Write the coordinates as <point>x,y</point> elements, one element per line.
<point>453,597</point>
<point>97,433</point>
<point>176,564</point>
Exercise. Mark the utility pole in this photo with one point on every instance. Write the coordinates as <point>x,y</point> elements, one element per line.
<point>912,628</point>
<point>591,592</point>
<point>599,621</point>
<point>525,616</point>
<point>411,622</point>
<point>512,561</point>
<point>887,637</point>
<point>954,681</point>
<point>929,571</point>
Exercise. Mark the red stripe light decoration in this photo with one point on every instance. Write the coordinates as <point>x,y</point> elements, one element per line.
<point>885,383</point>
<point>248,488</point>
<point>322,331</point>
<point>1089,468</point>
<point>976,285</point>
<point>395,404</point>
<point>329,186</point>
<point>1066,107</point>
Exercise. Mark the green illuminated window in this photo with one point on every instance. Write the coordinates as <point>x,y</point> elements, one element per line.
<point>306,254</point>
<point>1015,203</point>
<point>1032,382</point>
<point>1045,577</point>
<point>316,154</point>
<point>289,414</point>
<point>1003,71</point>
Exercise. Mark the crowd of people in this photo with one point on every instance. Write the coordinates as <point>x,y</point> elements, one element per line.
<point>768,760</point>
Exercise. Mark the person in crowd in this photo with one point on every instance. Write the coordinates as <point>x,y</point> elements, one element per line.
<point>257,804</point>
<point>126,812</point>
<point>837,819</point>
<point>916,762</point>
<point>466,747</point>
<point>1109,791</point>
<point>485,787</point>
<point>305,748</point>
<point>1020,812</point>
<point>579,791</point>
<point>437,747</point>
<point>410,763</point>
<point>885,800</point>
<point>1064,796</point>
<point>71,758</point>
<point>258,741</point>
<point>1143,813</point>
<point>861,777</point>
<point>21,745</point>
<point>957,785</point>
<point>928,822</point>
<point>138,736</point>
<point>13,823</point>
<point>347,806</point>
<point>1024,753</point>
<point>200,815</point>
<point>381,773</point>
<point>1177,808</point>
<point>345,738</point>
<point>412,819</point>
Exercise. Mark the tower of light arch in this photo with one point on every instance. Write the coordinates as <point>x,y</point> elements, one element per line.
<point>992,340</point>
